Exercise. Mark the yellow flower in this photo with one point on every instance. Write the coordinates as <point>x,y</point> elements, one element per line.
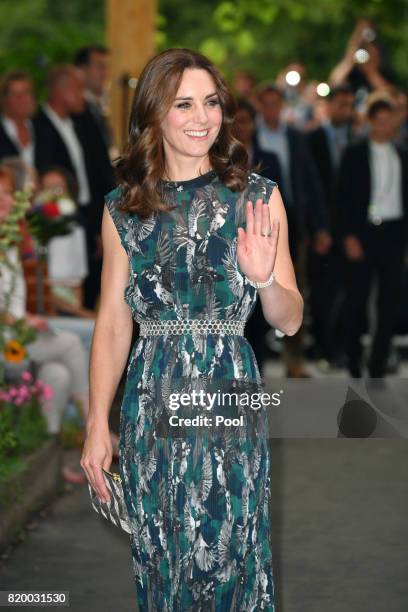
<point>14,351</point>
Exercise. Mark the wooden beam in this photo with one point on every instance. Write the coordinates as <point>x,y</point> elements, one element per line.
<point>130,27</point>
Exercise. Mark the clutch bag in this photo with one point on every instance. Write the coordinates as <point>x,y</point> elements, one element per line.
<point>115,510</point>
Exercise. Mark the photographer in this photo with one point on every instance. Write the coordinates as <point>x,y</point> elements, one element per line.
<point>364,64</point>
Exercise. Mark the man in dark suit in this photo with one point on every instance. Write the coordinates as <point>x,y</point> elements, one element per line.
<point>93,61</point>
<point>373,213</point>
<point>67,135</point>
<point>302,194</point>
<point>326,270</point>
<point>267,164</point>
<point>17,107</point>
<point>300,184</point>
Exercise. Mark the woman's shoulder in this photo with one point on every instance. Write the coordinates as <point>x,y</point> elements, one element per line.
<point>114,196</point>
<point>113,199</point>
<point>119,217</point>
<point>257,187</point>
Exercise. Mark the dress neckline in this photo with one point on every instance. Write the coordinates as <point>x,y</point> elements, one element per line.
<point>198,181</point>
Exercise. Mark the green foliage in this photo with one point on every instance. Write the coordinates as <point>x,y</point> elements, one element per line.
<point>72,432</point>
<point>9,468</point>
<point>30,427</point>
<point>10,226</point>
<point>35,34</point>
<point>43,228</point>
<point>259,35</point>
<point>264,35</point>
<point>22,430</point>
<point>20,331</point>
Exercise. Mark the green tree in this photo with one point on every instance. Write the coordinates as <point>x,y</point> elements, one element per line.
<point>259,35</point>
<point>34,34</point>
<point>264,35</point>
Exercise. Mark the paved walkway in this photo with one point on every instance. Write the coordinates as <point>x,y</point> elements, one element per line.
<point>75,550</point>
<point>340,525</point>
<point>339,535</point>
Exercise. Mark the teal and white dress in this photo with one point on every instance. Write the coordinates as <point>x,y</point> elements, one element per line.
<point>199,501</point>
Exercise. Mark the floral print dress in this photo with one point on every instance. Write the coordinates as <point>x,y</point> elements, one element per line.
<point>197,497</point>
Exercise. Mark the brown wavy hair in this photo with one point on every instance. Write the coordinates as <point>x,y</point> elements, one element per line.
<point>142,165</point>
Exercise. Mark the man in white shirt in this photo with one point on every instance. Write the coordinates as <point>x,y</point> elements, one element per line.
<point>17,105</point>
<point>373,201</point>
<point>66,96</point>
<point>69,137</point>
<point>303,197</point>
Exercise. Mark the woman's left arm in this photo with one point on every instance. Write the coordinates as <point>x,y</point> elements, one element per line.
<point>282,303</point>
<point>259,255</point>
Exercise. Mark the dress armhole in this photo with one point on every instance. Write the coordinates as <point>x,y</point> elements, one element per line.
<point>258,187</point>
<point>269,189</point>
<point>119,218</point>
<point>263,188</point>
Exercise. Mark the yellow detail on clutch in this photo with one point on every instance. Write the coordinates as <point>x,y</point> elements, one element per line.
<point>114,475</point>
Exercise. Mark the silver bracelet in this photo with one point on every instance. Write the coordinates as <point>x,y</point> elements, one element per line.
<point>258,285</point>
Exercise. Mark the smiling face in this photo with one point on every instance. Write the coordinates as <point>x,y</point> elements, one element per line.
<point>194,119</point>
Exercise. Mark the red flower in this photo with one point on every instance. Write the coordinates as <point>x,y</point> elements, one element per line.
<point>51,209</point>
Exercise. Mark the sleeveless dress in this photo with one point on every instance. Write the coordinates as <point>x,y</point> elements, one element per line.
<point>198,502</point>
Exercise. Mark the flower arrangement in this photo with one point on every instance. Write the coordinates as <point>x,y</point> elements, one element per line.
<point>52,214</point>
<point>22,423</point>
<point>13,336</point>
<point>26,391</point>
<point>13,354</point>
<point>14,351</point>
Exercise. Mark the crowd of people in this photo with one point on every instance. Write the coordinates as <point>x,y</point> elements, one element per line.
<point>336,150</point>
<point>63,145</point>
<point>340,161</point>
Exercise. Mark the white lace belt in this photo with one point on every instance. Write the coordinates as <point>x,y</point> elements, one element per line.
<point>188,326</point>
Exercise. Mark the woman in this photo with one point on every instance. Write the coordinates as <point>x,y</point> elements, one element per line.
<point>198,503</point>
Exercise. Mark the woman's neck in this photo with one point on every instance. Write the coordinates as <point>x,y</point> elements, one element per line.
<point>185,169</point>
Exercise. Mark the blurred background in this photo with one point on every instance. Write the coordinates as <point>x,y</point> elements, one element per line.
<point>322,108</point>
<point>259,36</point>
